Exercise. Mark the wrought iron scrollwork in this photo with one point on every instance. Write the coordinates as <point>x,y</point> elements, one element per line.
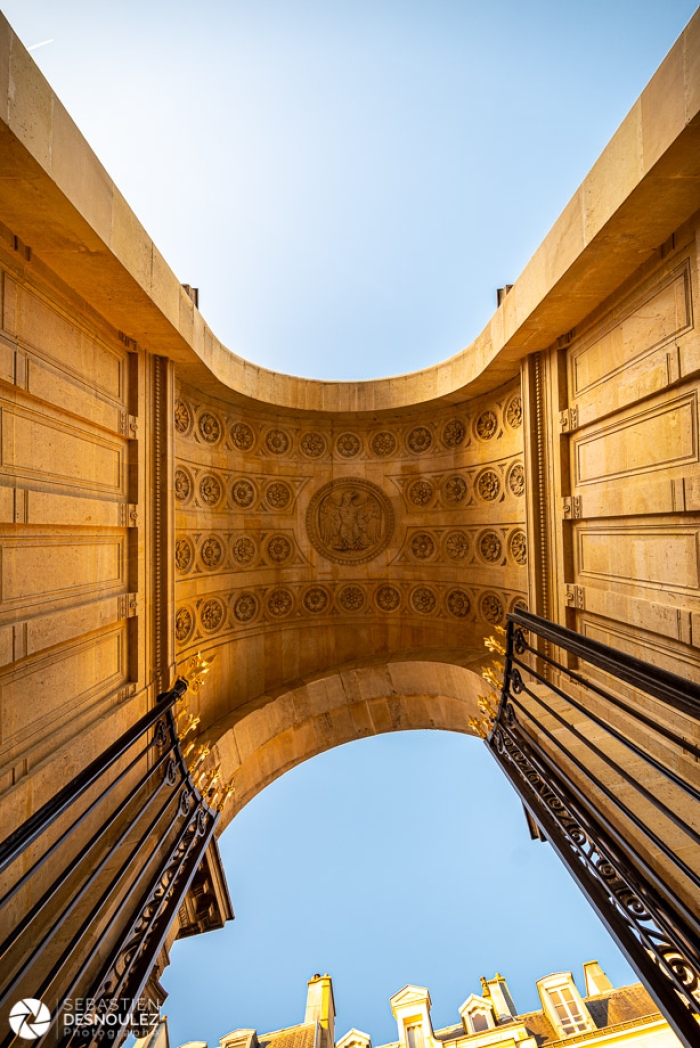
<point>651,922</point>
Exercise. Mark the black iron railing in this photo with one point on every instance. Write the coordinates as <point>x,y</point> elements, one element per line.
<point>90,884</point>
<point>603,750</point>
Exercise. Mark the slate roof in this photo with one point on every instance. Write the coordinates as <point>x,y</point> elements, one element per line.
<point>301,1036</point>
<point>606,1009</point>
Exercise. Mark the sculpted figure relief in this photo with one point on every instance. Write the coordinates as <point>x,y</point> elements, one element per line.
<point>350,521</point>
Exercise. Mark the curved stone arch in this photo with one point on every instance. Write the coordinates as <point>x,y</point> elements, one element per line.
<point>262,741</point>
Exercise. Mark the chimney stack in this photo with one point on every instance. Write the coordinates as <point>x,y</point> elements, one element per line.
<point>320,1008</point>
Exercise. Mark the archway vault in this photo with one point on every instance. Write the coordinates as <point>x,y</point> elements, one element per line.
<point>261,741</point>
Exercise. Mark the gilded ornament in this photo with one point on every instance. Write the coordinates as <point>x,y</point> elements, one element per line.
<point>195,671</point>
<point>457,545</point>
<point>388,598</point>
<point>491,608</point>
<point>211,614</point>
<point>351,598</point>
<point>183,485</point>
<point>313,445</point>
<point>243,493</point>
<point>514,412</point>
<point>245,607</point>
<point>279,549</point>
<point>486,425</point>
<point>454,433</point>
<point>209,427</point>
<point>183,554</point>
<point>209,489</point>
<point>242,436</point>
<point>422,546</point>
<point>316,600</point>
<point>243,550</point>
<point>419,439</point>
<point>348,445</point>
<point>277,441</point>
<point>278,495</point>
<point>420,492</point>
<point>455,489</point>
<point>182,416</point>
<point>183,624</point>
<point>350,521</point>
<point>518,547</point>
<point>490,547</point>
<point>383,444</point>
<point>280,603</point>
<point>488,485</point>
<point>516,480</point>
<point>211,552</point>
<point>423,600</point>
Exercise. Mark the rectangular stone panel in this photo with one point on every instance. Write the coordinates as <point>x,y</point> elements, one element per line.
<point>57,338</point>
<point>45,449</point>
<point>55,387</point>
<point>642,646</point>
<point>47,568</point>
<point>648,556</point>
<point>663,313</point>
<point>656,439</point>
<point>56,686</point>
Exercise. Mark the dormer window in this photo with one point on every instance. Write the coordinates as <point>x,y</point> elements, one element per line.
<point>570,1018</point>
<point>477,1015</point>
<point>478,1022</point>
<point>564,1005</point>
<point>414,1036</point>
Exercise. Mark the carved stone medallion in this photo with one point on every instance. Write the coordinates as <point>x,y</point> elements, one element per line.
<point>388,598</point>
<point>242,436</point>
<point>209,427</point>
<point>277,441</point>
<point>516,480</point>
<point>183,554</point>
<point>279,549</point>
<point>518,547</point>
<point>316,600</point>
<point>183,624</point>
<point>243,550</point>
<point>245,607</point>
<point>350,521</point>
<point>383,444</point>
<point>454,433</point>
<point>348,445</point>
<point>454,489</point>
<point>514,412</point>
<point>209,489</point>
<point>313,445</point>
<point>458,603</point>
<point>211,552</point>
<point>183,419</point>
<point>243,493</point>
<point>419,439</point>
<point>212,614</point>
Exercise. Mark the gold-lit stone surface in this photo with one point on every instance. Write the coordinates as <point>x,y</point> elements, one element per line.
<point>157,491</point>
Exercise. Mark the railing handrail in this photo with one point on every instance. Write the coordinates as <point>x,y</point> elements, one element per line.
<point>20,839</point>
<point>671,689</point>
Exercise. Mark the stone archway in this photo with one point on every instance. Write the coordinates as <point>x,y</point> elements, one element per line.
<point>261,742</point>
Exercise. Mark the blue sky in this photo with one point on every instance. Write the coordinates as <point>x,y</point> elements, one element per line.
<point>348,183</point>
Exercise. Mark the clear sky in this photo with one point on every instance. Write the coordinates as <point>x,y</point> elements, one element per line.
<point>348,183</point>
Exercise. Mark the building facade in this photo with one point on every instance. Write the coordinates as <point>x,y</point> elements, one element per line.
<point>601,1016</point>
